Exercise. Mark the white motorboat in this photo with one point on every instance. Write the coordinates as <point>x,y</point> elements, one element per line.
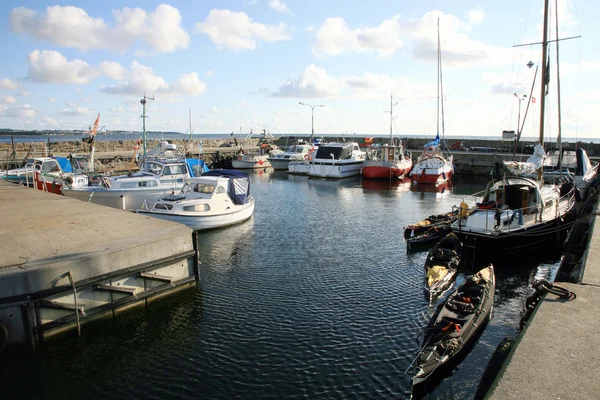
<point>215,199</point>
<point>337,160</point>
<point>296,152</point>
<point>156,178</point>
<point>300,167</point>
<point>250,161</point>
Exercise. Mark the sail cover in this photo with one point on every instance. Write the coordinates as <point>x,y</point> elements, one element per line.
<point>533,163</point>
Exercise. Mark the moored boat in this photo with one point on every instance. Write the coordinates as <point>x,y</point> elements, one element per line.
<point>442,265</point>
<point>296,152</point>
<point>455,325</point>
<point>388,161</point>
<point>337,160</point>
<point>432,221</point>
<point>215,199</point>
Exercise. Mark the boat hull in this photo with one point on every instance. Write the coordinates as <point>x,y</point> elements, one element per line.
<point>204,222</point>
<point>393,171</point>
<point>298,168</point>
<point>279,163</point>
<point>121,199</point>
<point>334,169</point>
<point>431,176</point>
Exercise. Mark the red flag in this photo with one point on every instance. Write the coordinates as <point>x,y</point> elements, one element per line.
<point>533,99</point>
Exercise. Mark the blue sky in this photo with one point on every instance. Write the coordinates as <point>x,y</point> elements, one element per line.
<point>246,64</point>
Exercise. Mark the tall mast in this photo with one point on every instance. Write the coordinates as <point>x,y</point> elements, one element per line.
<point>545,77</point>
<point>143,117</point>
<point>559,137</point>
<point>437,127</point>
<point>392,104</point>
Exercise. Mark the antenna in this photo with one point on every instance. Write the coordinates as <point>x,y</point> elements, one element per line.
<point>143,101</point>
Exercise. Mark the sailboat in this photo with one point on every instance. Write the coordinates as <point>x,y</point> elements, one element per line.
<point>388,161</point>
<point>433,166</point>
<point>519,213</point>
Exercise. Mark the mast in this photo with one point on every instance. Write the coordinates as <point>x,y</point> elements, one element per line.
<point>438,79</point>
<point>143,117</point>
<point>92,140</point>
<point>545,76</point>
<point>392,104</point>
<point>559,137</point>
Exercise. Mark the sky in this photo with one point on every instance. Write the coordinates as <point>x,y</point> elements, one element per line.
<point>234,65</point>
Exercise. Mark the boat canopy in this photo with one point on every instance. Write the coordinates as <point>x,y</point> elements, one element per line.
<point>339,152</point>
<point>239,184</point>
<point>64,163</point>
<point>196,167</point>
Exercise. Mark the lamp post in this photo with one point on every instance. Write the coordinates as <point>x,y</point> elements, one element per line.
<point>521,97</point>
<point>312,108</point>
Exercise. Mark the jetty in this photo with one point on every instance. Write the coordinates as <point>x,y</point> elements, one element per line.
<point>557,354</point>
<point>65,262</point>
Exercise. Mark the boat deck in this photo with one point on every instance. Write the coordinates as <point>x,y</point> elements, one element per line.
<point>558,356</point>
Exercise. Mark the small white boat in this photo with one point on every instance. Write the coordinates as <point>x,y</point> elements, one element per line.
<point>250,161</point>
<point>296,152</point>
<point>215,199</point>
<point>337,160</point>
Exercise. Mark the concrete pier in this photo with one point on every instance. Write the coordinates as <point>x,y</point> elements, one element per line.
<point>59,255</point>
<point>557,356</point>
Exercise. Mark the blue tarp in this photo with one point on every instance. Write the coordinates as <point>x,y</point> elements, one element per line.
<point>239,184</point>
<point>64,163</point>
<point>434,142</point>
<point>196,167</point>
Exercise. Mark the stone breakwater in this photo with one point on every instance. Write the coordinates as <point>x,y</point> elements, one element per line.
<point>109,155</point>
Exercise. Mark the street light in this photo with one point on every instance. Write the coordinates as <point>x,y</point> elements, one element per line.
<point>521,97</point>
<point>313,116</point>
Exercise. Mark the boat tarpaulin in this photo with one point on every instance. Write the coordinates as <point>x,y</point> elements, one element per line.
<point>196,167</point>
<point>64,163</point>
<point>239,183</point>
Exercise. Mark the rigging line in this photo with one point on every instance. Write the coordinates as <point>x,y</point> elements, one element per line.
<point>559,134</point>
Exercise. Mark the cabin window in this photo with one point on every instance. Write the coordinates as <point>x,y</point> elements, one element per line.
<point>197,207</point>
<point>221,189</point>
<point>50,167</point>
<point>204,188</point>
<point>153,168</point>
<point>160,206</point>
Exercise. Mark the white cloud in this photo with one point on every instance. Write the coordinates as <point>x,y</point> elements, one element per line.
<point>216,110</point>
<point>142,79</point>
<point>334,38</point>
<point>24,94</point>
<point>189,84</point>
<point>278,6</point>
<point>8,84</point>
<point>113,70</point>
<point>418,36</point>
<point>71,26</point>
<point>209,73</point>
<point>314,83</point>
<point>51,99</point>
<point>236,31</point>
<point>20,111</point>
<point>50,66</point>
<point>76,112</point>
<point>475,17</point>
<point>7,99</point>
<point>49,121</point>
<point>317,83</point>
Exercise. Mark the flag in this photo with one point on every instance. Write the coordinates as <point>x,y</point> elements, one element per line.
<point>533,99</point>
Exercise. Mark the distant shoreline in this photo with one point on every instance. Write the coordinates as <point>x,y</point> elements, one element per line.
<point>22,137</point>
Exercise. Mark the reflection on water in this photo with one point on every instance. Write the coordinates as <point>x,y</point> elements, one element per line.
<point>313,297</point>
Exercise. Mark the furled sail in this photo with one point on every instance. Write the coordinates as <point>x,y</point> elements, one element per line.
<point>533,163</point>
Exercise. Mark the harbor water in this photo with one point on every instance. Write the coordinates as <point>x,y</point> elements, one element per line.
<point>314,297</point>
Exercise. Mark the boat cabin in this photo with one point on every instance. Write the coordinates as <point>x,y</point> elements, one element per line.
<point>340,151</point>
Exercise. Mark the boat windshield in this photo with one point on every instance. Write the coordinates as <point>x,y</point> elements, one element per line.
<point>204,188</point>
<point>151,167</point>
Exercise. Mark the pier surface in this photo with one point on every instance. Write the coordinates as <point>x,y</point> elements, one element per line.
<point>115,259</point>
<point>558,355</point>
